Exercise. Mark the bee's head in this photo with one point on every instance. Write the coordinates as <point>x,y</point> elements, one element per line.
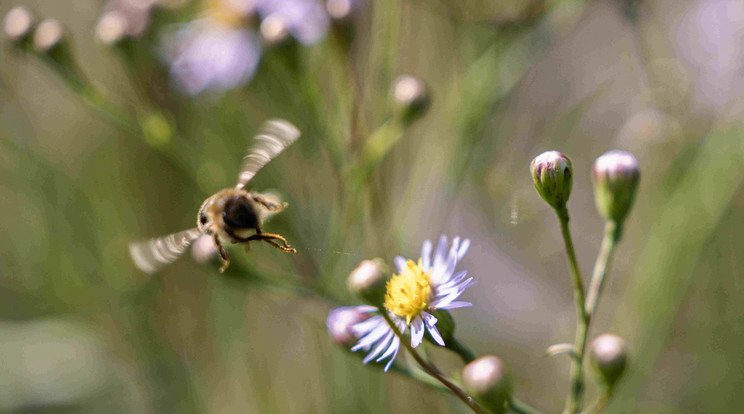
<point>239,213</point>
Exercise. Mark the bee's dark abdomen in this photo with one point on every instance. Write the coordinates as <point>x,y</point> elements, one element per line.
<point>239,214</point>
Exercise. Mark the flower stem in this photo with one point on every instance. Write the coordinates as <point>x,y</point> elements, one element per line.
<point>432,370</point>
<point>575,273</point>
<point>573,402</point>
<point>611,237</point>
<point>520,407</point>
<point>609,241</point>
<point>463,351</point>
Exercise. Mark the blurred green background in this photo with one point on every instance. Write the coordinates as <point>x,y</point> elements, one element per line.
<point>82,330</point>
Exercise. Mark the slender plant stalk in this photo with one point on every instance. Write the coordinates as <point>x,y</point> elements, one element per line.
<point>573,402</point>
<point>601,266</point>
<point>433,371</point>
<point>612,232</point>
<point>520,407</point>
<point>461,350</point>
<point>602,401</point>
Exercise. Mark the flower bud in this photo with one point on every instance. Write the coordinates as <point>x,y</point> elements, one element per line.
<point>552,173</point>
<point>19,25</point>
<point>368,281</point>
<point>340,322</point>
<point>341,9</point>
<point>489,381</point>
<point>112,28</point>
<point>48,36</point>
<point>274,29</point>
<point>411,97</point>
<point>615,175</point>
<point>609,356</point>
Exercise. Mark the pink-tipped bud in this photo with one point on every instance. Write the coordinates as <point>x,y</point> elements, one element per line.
<point>552,174</point>
<point>489,381</point>
<point>49,35</point>
<point>609,356</point>
<point>19,25</point>
<point>368,281</point>
<point>615,175</point>
<point>411,97</point>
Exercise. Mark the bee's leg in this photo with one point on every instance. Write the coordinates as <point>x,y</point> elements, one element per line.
<point>271,206</point>
<point>270,237</point>
<point>223,254</point>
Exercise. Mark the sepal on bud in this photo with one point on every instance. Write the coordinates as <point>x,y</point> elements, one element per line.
<point>368,281</point>
<point>489,380</point>
<point>609,356</point>
<point>615,175</point>
<point>552,174</point>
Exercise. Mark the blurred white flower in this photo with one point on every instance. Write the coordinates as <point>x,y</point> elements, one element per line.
<point>419,289</point>
<point>205,55</point>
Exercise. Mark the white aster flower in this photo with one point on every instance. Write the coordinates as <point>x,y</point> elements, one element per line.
<point>419,289</point>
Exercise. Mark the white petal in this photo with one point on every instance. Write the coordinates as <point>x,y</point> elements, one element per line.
<point>426,255</point>
<point>441,251</point>
<point>400,263</point>
<point>463,249</point>
<point>396,346</point>
<point>391,349</point>
<point>455,305</point>
<point>366,341</point>
<point>382,345</point>
<point>417,331</point>
<point>431,322</point>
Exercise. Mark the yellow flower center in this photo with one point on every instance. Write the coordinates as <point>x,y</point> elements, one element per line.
<point>409,292</point>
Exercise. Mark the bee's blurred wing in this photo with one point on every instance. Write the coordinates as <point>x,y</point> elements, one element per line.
<point>275,136</point>
<point>151,255</point>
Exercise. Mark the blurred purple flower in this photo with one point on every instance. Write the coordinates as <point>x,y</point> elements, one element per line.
<point>206,55</point>
<point>306,20</point>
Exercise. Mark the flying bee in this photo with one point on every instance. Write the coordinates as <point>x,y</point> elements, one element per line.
<point>232,214</point>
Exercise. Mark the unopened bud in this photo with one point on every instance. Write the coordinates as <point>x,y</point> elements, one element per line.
<point>112,28</point>
<point>552,174</point>
<point>411,97</point>
<point>368,281</point>
<point>274,29</point>
<point>609,356</point>
<point>340,322</point>
<point>48,36</point>
<point>19,25</point>
<point>340,9</point>
<point>489,381</point>
<point>615,175</point>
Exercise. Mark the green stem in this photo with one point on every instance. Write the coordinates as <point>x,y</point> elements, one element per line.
<point>432,370</point>
<point>520,407</point>
<point>601,266</point>
<point>460,349</point>
<point>575,273</point>
<point>611,236</point>
<point>602,401</point>
<point>573,402</point>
